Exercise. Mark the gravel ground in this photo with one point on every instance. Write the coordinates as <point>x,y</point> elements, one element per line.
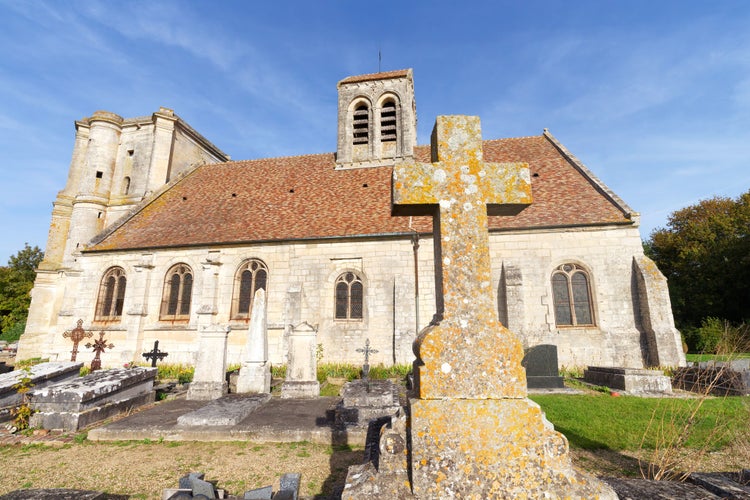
<point>143,469</point>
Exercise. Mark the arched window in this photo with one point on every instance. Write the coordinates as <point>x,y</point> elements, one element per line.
<point>388,130</point>
<point>126,185</point>
<point>178,291</point>
<point>111,295</point>
<point>361,125</point>
<point>572,296</point>
<point>250,277</point>
<point>349,296</point>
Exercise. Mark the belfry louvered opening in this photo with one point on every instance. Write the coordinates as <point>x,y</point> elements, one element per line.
<point>361,124</point>
<point>388,130</point>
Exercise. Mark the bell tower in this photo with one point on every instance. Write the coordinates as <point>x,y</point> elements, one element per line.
<point>377,119</point>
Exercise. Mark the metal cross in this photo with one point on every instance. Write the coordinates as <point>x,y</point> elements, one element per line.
<point>77,334</point>
<point>155,354</point>
<point>99,345</point>
<point>367,350</point>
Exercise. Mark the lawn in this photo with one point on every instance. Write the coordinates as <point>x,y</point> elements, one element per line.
<point>631,423</point>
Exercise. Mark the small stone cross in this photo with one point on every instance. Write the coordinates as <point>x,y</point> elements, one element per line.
<point>465,352</point>
<point>99,345</point>
<point>77,334</point>
<point>155,354</point>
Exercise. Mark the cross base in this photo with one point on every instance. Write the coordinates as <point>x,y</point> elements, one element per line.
<point>502,448</point>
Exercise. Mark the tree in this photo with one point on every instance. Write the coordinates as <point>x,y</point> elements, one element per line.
<point>16,281</point>
<point>705,254</point>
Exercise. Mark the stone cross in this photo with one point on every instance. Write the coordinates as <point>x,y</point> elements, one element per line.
<point>465,352</point>
<point>77,334</point>
<point>99,345</point>
<point>155,354</point>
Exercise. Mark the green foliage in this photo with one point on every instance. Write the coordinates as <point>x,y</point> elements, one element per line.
<point>337,370</point>
<point>22,413</point>
<point>16,281</point>
<point>597,421</point>
<point>85,370</point>
<point>28,363</point>
<point>394,371</point>
<point>278,371</point>
<point>175,371</point>
<point>705,254</point>
<point>717,336</point>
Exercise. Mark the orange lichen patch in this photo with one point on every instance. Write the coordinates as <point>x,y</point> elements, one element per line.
<point>492,449</point>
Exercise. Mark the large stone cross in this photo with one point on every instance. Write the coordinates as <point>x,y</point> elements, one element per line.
<point>466,352</point>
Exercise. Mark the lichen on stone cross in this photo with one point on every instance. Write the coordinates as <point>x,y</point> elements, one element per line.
<point>466,353</point>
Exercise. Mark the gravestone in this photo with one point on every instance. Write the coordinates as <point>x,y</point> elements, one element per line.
<point>41,375</point>
<point>255,372</point>
<point>472,431</point>
<point>77,403</point>
<point>301,370</point>
<point>541,366</point>
<point>209,380</point>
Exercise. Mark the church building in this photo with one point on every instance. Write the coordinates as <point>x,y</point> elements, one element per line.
<point>159,235</point>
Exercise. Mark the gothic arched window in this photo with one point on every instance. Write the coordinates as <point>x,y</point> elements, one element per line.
<point>178,291</point>
<point>250,277</point>
<point>349,296</point>
<point>571,295</point>
<point>388,129</point>
<point>361,125</point>
<point>111,297</point>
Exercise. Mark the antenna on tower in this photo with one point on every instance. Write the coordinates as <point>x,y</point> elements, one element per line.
<point>380,58</point>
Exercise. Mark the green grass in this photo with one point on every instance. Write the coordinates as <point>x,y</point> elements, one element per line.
<point>594,421</point>
<point>696,358</point>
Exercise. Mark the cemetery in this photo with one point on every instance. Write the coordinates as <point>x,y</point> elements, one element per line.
<point>465,423</point>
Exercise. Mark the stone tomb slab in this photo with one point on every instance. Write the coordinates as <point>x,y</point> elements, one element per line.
<point>75,404</point>
<point>632,380</point>
<point>227,410</point>
<point>364,400</point>
<point>42,375</point>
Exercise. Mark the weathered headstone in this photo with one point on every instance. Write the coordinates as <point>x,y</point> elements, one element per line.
<point>255,372</point>
<point>301,371</point>
<point>209,380</point>
<point>542,371</point>
<point>77,403</point>
<point>366,400</point>
<point>473,432</point>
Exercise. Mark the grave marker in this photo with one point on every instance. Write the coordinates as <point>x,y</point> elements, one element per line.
<point>77,334</point>
<point>99,346</point>
<point>155,354</point>
<point>473,432</point>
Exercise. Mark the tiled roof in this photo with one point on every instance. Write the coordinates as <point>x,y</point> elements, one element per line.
<point>305,197</point>
<point>377,76</point>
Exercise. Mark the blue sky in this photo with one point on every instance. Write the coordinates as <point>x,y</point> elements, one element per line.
<point>654,97</point>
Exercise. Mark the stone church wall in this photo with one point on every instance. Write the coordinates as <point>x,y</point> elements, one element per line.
<point>301,278</point>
